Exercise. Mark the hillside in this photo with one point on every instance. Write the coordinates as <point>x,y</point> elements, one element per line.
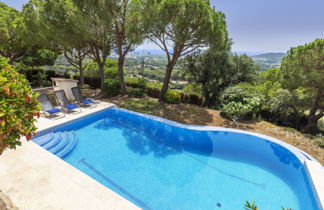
<point>269,60</point>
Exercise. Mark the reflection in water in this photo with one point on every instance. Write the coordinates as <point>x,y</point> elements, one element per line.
<point>284,155</point>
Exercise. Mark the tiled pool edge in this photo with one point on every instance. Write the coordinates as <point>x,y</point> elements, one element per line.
<point>315,172</point>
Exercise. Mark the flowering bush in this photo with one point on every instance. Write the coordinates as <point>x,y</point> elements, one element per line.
<point>18,107</point>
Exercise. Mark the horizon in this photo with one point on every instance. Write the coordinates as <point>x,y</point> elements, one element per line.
<point>258,27</point>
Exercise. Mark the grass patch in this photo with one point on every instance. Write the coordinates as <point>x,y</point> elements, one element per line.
<point>143,105</point>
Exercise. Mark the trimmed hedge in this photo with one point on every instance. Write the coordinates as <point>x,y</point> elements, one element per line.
<point>135,82</point>
<point>152,89</point>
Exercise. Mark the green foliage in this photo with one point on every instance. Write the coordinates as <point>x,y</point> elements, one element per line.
<point>217,69</point>
<point>170,26</point>
<point>303,66</point>
<point>253,206</point>
<point>193,89</point>
<point>250,206</point>
<point>18,106</point>
<point>282,106</point>
<point>135,92</point>
<point>172,97</point>
<point>40,57</point>
<point>92,69</point>
<point>284,103</point>
<point>269,84</point>
<point>155,85</point>
<point>112,87</point>
<point>240,100</point>
<point>210,70</point>
<point>135,82</point>
<point>12,45</point>
<point>303,69</point>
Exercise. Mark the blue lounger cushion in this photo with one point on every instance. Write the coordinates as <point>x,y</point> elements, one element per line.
<point>87,101</point>
<point>71,106</point>
<point>52,111</point>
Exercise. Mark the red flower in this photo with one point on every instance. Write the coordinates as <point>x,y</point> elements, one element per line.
<point>6,89</point>
<point>27,98</point>
<point>28,136</point>
<point>38,114</point>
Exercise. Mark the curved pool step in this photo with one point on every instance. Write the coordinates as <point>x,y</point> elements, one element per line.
<point>43,139</point>
<point>61,144</point>
<point>69,147</point>
<point>55,140</point>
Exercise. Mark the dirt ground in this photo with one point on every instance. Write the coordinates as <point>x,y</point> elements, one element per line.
<point>190,114</point>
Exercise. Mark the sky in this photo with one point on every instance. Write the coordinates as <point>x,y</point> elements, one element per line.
<point>262,25</point>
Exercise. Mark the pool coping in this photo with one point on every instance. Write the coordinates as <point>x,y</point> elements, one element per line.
<point>313,168</point>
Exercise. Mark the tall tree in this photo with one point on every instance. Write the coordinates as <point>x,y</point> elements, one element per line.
<point>216,68</point>
<point>98,25</point>
<point>303,68</point>
<point>211,69</point>
<point>75,57</point>
<point>128,32</point>
<point>60,24</point>
<point>12,45</point>
<point>179,27</point>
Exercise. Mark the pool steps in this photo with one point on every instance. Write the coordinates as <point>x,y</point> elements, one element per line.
<point>60,143</point>
<point>44,139</point>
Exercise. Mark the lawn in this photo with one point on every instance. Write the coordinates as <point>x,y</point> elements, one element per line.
<point>190,114</point>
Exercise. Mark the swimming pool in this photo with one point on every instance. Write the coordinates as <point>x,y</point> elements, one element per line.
<point>160,164</point>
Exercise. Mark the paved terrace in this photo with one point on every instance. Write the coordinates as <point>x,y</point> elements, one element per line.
<point>35,179</point>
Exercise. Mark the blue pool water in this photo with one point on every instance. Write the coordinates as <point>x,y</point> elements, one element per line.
<point>157,165</point>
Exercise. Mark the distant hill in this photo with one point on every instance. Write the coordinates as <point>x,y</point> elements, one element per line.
<point>249,53</point>
<point>269,60</point>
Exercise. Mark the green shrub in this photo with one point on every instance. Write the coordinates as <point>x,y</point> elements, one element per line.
<point>193,89</point>
<point>135,92</point>
<point>112,86</point>
<point>240,100</point>
<point>172,97</point>
<point>156,85</point>
<point>111,69</point>
<point>135,82</point>
<point>86,86</point>
<point>18,106</point>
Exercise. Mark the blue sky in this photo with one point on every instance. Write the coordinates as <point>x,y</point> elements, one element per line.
<point>263,25</point>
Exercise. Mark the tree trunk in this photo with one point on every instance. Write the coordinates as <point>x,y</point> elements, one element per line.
<point>313,117</point>
<point>10,62</point>
<point>102,75</point>
<point>81,74</point>
<point>166,81</point>
<point>121,75</point>
<point>312,127</point>
<point>206,96</point>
